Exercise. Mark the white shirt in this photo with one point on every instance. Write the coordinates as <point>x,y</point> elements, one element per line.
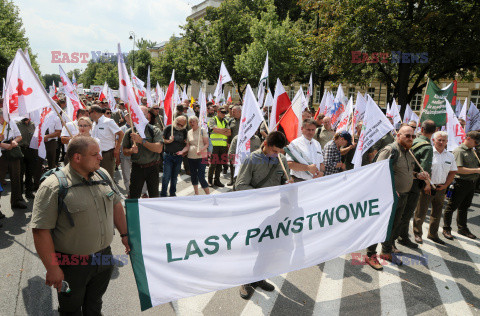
<point>311,150</point>
<point>72,127</point>
<point>442,164</point>
<point>54,124</point>
<point>13,133</point>
<point>105,130</point>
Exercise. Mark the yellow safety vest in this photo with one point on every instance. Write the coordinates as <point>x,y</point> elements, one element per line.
<point>219,139</point>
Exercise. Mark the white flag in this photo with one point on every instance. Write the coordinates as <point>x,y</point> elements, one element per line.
<point>456,133</point>
<point>269,99</point>
<point>310,88</point>
<point>149,91</point>
<point>203,110</point>
<point>24,93</point>
<point>394,113</point>
<point>223,78</point>
<point>345,117</point>
<point>463,112</point>
<point>407,116</point>
<point>473,118</point>
<point>127,95</point>
<point>184,93</point>
<point>37,142</point>
<point>262,84</point>
<point>71,94</point>
<point>414,117</point>
<point>375,126</point>
<point>249,122</point>
<point>458,107</point>
<point>112,103</point>
<point>328,103</point>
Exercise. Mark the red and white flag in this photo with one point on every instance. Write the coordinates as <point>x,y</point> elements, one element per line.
<point>394,113</point>
<point>169,103</point>
<point>310,88</point>
<point>281,103</point>
<point>37,142</point>
<point>456,133</point>
<point>138,87</point>
<point>229,98</point>
<point>339,104</point>
<point>291,122</point>
<point>345,117</point>
<point>328,103</point>
<point>104,93</point>
<point>24,93</point>
<point>126,94</point>
<point>112,103</point>
<point>70,93</point>
<point>202,100</point>
<point>407,116</point>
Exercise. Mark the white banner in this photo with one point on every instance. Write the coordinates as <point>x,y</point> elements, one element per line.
<point>185,246</point>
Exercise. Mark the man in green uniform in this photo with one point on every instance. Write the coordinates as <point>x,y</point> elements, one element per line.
<point>145,153</point>
<point>422,149</point>
<point>260,170</point>
<point>219,133</point>
<point>234,127</point>
<point>73,239</point>
<point>31,166</point>
<point>464,188</point>
<point>403,171</point>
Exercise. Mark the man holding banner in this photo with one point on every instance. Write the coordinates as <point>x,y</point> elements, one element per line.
<point>403,170</point>
<point>260,170</point>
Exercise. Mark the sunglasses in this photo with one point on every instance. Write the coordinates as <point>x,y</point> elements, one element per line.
<point>108,112</point>
<point>84,125</point>
<point>156,108</point>
<point>409,136</point>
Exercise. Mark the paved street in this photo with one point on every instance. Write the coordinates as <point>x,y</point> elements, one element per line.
<point>436,280</point>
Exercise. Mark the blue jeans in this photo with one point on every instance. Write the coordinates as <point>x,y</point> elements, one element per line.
<point>197,172</point>
<point>171,169</point>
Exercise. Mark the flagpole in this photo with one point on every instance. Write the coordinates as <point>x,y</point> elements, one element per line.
<point>279,159</point>
<point>423,101</point>
<point>418,164</point>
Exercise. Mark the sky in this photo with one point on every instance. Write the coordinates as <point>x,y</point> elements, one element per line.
<point>84,26</point>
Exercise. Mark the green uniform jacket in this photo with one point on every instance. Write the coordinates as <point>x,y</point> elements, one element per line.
<point>464,157</point>
<point>423,150</point>
<point>256,167</point>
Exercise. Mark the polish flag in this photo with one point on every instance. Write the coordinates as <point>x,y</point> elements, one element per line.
<point>321,107</point>
<point>229,98</point>
<point>103,94</point>
<point>281,103</point>
<point>24,93</point>
<point>126,94</point>
<point>291,121</point>
<point>46,115</point>
<point>169,102</point>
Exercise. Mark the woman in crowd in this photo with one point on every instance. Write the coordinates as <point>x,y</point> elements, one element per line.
<point>197,142</point>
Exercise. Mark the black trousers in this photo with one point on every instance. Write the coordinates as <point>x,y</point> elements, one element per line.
<point>218,158</point>
<point>31,169</point>
<point>141,175</point>
<point>51,149</point>
<point>410,206</point>
<point>387,245</point>
<point>463,191</point>
<point>88,282</point>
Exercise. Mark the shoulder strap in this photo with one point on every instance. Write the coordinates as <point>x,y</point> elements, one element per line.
<point>420,144</point>
<point>106,179</point>
<point>270,172</point>
<point>62,193</point>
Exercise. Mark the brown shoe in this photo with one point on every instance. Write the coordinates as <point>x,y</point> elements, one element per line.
<point>373,262</point>
<point>418,239</point>
<point>437,240</point>
<point>467,233</point>
<point>447,233</point>
<point>391,258</point>
<point>246,291</point>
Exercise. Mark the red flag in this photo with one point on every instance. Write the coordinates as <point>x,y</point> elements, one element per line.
<point>169,101</point>
<point>290,122</point>
<point>104,93</point>
<point>281,103</point>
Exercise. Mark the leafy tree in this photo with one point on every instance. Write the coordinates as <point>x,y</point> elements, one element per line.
<point>49,78</point>
<point>144,43</point>
<point>438,28</point>
<point>97,73</point>
<point>12,37</point>
<point>143,59</point>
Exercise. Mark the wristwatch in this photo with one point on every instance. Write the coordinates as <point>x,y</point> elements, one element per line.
<point>144,141</point>
<point>124,235</point>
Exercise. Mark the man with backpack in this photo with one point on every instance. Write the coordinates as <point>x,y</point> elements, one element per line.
<point>403,166</point>
<point>74,214</point>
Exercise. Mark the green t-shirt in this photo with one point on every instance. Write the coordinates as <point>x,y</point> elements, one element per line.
<point>144,155</point>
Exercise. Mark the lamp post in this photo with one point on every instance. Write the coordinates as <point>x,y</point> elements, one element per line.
<point>132,36</point>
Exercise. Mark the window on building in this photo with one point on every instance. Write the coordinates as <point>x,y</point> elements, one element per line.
<point>334,91</point>
<point>351,93</point>
<point>371,92</point>
<point>317,96</point>
<point>416,102</point>
<point>475,97</point>
<point>291,93</point>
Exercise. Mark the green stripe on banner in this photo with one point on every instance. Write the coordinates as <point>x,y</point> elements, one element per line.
<point>136,256</point>
<point>395,201</point>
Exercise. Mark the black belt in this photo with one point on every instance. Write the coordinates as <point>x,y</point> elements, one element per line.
<point>107,151</point>
<point>147,165</point>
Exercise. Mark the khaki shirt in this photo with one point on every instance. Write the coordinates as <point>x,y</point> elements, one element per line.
<point>27,131</point>
<point>144,155</point>
<point>234,127</point>
<point>402,168</point>
<point>325,136</point>
<point>384,141</point>
<point>255,143</point>
<point>91,208</point>
<point>256,167</point>
<point>464,157</point>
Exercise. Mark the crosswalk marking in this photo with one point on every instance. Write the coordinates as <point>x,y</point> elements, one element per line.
<point>450,294</point>
<point>192,306</point>
<point>329,292</point>
<point>263,302</point>
<point>391,294</point>
<point>471,248</point>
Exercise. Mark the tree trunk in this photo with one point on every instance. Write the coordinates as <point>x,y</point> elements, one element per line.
<point>402,85</point>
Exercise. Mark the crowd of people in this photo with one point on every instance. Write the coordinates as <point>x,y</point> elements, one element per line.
<point>423,169</point>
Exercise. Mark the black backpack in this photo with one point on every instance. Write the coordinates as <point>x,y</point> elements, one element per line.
<point>63,187</point>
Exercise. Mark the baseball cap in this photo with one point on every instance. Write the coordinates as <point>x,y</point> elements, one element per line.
<point>346,135</point>
<point>222,110</point>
